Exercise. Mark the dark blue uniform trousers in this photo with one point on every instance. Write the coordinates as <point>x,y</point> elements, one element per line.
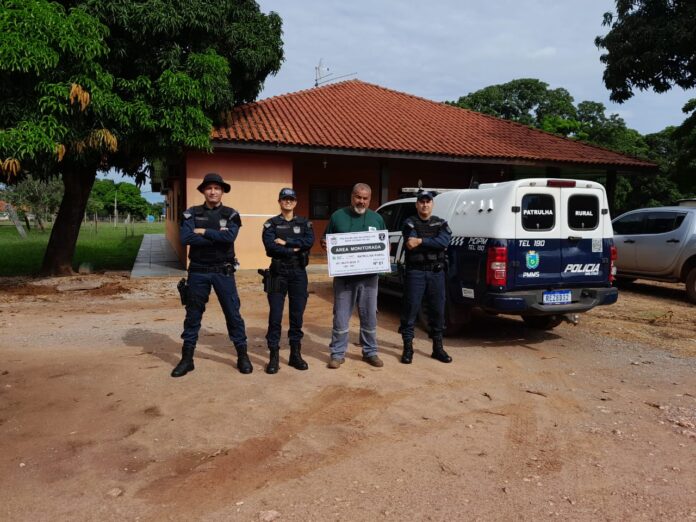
<point>296,290</point>
<point>226,291</point>
<point>422,284</point>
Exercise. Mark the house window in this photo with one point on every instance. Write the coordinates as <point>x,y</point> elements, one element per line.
<point>324,201</point>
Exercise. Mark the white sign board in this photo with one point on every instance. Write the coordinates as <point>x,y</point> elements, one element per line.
<point>357,253</point>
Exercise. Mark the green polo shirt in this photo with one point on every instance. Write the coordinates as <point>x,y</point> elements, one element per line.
<point>345,220</point>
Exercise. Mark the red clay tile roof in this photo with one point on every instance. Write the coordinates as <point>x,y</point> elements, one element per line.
<point>360,116</point>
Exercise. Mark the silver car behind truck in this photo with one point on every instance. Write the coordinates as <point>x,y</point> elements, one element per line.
<point>657,244</point>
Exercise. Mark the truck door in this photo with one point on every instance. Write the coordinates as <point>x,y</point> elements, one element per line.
<point>627,230</point>
<point>657,250</point>
<point>535,253</point>
<point>584,254</point>
<point>390,214</point>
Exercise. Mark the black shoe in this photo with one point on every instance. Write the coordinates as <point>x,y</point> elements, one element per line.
<point>273,362</point>
<point>439,352</point>
<point>296,360</point>
<point>407,356</point>
<point>186,363</point>
<point>243,362</point>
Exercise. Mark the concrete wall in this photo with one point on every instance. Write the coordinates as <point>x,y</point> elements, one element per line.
<point>256,180</point>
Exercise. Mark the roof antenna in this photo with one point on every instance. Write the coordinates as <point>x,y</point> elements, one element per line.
<point>322,74</point>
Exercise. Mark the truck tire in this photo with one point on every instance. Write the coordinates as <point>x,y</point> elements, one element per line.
<point>542,322</point>
<point>691,285</point>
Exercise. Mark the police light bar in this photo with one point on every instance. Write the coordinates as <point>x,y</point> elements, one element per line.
<point>562,183</point>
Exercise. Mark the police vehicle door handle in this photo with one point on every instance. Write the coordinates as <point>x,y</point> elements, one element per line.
<point>672,241</point>
<point>574,238</point>
<point>628,241</point>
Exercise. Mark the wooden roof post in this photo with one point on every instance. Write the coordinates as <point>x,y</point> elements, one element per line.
<point>611,190</point>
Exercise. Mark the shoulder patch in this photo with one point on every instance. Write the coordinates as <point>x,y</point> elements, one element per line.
<point>187,215</point>
<point>267,224</point>
<point>309,224</point>
<point>447,228</point>
<point>409,223</point>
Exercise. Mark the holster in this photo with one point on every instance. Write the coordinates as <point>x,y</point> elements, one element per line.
<point>183,289</point>
<point>273,282</point>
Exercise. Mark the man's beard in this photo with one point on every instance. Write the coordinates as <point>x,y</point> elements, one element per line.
<point>360,210</point>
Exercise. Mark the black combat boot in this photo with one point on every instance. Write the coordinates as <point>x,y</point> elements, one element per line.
<point>186,363</point>
<point>407,356</point>
<point>243,362</point>
<point>274,362</point>
<point>296,360</point>
<point>439,352</point>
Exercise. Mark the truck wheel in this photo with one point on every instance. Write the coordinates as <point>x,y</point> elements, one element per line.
<point>691,285</point>
<point>542,322</point>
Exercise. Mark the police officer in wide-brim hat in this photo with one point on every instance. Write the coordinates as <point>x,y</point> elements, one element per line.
<point>210,231</point>
<point>287,239</point>
<point>426,238</point>
<point>213,178</point>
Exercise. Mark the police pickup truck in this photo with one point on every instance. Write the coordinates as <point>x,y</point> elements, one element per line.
<point>538,248</point>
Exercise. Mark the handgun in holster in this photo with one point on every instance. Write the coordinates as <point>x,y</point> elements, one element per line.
<point>183,289</point>
<point>266,274</point>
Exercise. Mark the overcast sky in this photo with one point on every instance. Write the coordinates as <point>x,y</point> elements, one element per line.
<point>444,49</point>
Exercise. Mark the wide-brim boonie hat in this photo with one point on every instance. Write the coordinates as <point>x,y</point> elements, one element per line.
<point>214,178</point>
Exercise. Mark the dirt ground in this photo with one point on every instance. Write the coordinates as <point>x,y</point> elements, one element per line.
<point>587,422</point>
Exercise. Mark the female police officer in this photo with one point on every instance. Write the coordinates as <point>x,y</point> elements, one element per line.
<point>287,239</point>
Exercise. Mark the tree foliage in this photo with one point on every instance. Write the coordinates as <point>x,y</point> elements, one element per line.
<point>651,44</point>
<point>526,100</point>
<point>35,196</point>
<point>124,196</point>
<point>89,85</point>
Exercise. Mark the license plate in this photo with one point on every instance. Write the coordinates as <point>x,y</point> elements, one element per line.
<point>557,297</point>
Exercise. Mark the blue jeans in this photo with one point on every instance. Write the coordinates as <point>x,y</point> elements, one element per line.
<point>419,284</point>
<point>349,291</point>
<point>226,291</point>
<point>296,291</point>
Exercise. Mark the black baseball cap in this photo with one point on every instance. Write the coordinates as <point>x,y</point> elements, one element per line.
<point>287,193</point>
<point>424,194</point>
<point>213,177</point>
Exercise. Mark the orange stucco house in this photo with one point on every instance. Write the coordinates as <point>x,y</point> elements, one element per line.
<point>321,141</point>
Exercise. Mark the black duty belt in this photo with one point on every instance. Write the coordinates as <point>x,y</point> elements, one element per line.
<point>426,267</point>
<point>287,263</point>
<point>226,268</point>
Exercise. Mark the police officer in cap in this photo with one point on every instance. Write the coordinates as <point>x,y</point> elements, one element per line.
<point>210,230</point>
<point>426,238</point>
<point>287,239</point>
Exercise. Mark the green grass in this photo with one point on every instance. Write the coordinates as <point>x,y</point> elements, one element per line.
<point>107,248</point>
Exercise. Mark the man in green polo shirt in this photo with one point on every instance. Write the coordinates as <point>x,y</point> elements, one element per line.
<point>356,289</point>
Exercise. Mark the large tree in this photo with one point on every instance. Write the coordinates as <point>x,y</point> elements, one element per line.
<point>125,197</point>
<point>525,100</point>
<point>88,85</point>
<point>651,44</point>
